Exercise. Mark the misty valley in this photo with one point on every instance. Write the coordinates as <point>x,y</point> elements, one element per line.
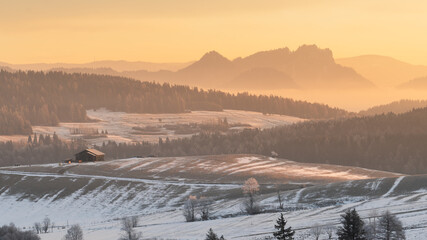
<point>213,138</point>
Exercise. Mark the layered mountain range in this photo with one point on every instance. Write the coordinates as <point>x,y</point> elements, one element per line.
<point>308,67</point>
<point>387,72</point>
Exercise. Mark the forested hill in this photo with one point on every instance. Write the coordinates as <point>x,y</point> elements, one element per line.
<point>38,98</point>
<point>397,107</point>
<point>386,142</point>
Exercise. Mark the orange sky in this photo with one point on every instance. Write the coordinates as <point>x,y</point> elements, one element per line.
<point>183,30</point>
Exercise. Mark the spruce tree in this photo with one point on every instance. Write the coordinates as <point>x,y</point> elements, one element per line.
<point>211,235</point>
<point>352,226</point>
<point>283,233</point>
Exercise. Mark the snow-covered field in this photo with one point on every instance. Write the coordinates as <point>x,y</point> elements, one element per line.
<point>233,168</point>
<point>119,124</point>
<point>171,225</point>
<point>96,195</point>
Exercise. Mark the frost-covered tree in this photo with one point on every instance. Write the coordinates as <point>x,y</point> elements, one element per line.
<point>38,227</point>
<point>250,189</point>
<point>282,232</point>
<point>190,208</point>
<point>371,227</point>
<point>129,231</point>
<point>390,227</point>
<point>352,226</point>
<point>74,233</point>
<point>12,233</point>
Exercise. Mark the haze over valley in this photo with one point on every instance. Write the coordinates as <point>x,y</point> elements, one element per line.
<point>213,120</point>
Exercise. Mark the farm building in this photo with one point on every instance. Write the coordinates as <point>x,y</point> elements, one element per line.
<point>89,155</point>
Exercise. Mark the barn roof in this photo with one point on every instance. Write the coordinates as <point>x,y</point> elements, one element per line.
<point>94,152</point>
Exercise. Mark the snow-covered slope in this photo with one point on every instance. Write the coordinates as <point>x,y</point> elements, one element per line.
<point>97,194</point>
<point>233,168</point>
<point>405,196</point>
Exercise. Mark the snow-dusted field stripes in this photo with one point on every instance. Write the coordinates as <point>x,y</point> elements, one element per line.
<point>318,205</point>
<point>97,194</point>
<point>171,225</point>
<point>212,169</point>
<point>119,124</point>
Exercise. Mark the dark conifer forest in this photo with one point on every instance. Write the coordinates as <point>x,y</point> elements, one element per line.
<point>38,98</point>
<point>387,142</point>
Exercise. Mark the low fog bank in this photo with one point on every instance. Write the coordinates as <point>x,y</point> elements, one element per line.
<point>354,101</point>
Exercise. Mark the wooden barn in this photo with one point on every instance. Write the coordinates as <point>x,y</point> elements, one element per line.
<point>89,155</point>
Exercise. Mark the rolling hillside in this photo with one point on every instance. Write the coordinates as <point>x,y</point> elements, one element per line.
<point>96,194</point>
<point>419,83</point>
<point>92,192</point>
<point>396,107</point>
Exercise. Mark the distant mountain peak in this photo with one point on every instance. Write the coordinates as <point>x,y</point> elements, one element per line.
<point>213,56</point>
<point>314,53</point>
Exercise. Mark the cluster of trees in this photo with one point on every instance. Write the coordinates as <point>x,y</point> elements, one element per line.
<point>74,233</point>
<point>11,232</point>
<point>13,122</point>
<point>43,226</point>
<point>197,208</point>
<point>39,148</point>
<point>28,98</point>
<point>128,228</point>
<point>388,227</point>
<point>39,98</point>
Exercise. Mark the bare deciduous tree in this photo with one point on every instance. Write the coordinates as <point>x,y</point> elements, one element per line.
<point>250,189</point>
<point>279,199</point>
<point>329,230</point>
<point>135,221</point>
<point>74,233</point>
<point>316,231</point>
<point>204,204</point>
<point>46,224</point>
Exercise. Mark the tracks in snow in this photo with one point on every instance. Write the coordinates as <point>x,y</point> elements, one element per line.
<point>137,180</point>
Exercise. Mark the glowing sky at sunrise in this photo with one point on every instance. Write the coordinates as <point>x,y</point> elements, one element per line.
<point>183,30</point>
